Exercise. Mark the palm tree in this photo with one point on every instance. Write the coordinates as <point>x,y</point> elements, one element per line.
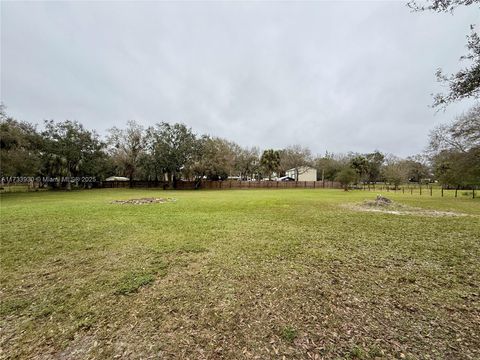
<point>270,161</point>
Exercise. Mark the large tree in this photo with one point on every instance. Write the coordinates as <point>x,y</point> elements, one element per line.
<point>20,147</point>
<point>466,82</point>
<point>270,161</point>
<point>455,150</point>
<point>126,147</point>
<point>417,168</point>
<point>247,162</point>
<point>458,169</point>
<point>359,163</point>
<point>461,135</point>
<point>346,176</point>
<point>215,158</point>
<point>174,149</point>
<point>329,166</point>
<point>395,171</point>
<point>367,166</point>
<point>374,166</point>
<point>69,149</point>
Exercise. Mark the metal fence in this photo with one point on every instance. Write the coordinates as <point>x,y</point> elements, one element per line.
<point>427,190</point>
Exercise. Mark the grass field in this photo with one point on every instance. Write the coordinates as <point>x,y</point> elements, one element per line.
<point>294,274</point>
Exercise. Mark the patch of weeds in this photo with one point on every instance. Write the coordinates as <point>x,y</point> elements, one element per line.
<point>375,352</point>
<point>407,280</point>
<point>131,282</point>
<point>13,306</point>
<point>358,353</point>
<point>86,322</point>
<point>289,334</point>
<point>157,265</point>
<point>192,248</point>
<point>45,311</point>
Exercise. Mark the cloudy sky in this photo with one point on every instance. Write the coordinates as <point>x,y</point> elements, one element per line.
<point>348,76</point>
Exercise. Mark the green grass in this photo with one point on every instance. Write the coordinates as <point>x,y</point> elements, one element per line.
<point>238,274</point>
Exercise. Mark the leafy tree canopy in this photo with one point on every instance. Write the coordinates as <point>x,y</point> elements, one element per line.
<point>465,83</point>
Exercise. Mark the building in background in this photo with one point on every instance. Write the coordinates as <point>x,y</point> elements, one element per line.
<point>303,173</point>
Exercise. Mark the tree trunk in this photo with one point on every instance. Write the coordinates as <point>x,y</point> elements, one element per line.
<point>130,175</point>
<point>69,185</point>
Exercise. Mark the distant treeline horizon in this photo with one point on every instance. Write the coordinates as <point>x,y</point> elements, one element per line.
<point>170,152</point>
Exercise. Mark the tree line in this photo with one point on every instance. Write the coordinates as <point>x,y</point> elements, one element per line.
<point>172,152</point>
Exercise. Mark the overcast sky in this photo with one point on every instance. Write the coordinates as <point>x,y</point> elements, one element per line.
<point>349,76</point>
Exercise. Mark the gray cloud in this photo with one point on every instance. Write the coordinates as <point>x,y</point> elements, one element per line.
<point>331,76</point>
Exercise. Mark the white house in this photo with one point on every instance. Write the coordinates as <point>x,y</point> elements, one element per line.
<point>303,173</point>
<point>117,178</point>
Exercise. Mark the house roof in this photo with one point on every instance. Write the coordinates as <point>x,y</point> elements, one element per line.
<point>302,167</point>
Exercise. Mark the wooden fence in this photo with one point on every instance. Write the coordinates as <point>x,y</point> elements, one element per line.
<point>226,185</point>
<point>235,184</point>
<point>427,190</point>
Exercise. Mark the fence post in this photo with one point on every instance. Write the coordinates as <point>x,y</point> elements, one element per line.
<point>442,190</point>
<point>431,190</point>
<point>456,189</point>
<point>420,189</point>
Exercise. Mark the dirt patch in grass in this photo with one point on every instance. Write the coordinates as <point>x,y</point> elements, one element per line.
<point>387,206</point>
<point>143,201</point>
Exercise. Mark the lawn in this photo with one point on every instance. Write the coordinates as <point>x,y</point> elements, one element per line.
<point>294,274</point>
